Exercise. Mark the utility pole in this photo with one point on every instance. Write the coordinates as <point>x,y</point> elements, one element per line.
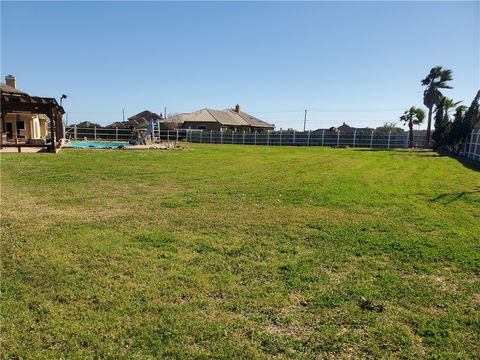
<point>305,120</point>
<point>123,114</point>
<point>165,114</point>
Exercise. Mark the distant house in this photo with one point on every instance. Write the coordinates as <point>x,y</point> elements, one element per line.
<point>218,120</point>
<point>87,124</point>
<point>138,121</point>
<point>24,117</point>
<point>345,129</point>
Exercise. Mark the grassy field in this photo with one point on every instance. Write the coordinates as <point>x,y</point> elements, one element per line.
<point>240,252</point>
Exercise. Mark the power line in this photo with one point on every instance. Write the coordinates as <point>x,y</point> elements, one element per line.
<point>327,120</point>
<point>311,110</point>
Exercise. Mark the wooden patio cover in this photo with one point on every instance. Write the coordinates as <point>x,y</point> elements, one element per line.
<point>14,102</point>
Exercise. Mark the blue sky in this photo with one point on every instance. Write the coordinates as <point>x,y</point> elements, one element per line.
<point>358,62</point>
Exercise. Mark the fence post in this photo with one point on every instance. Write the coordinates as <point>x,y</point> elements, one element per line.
<point>233,132</point>
<point>476,144</point>
<point>470,146</point>
<point>243,137</point>
<point>323,136</point>
<point>268,137</point>
<point>474,155</point>
<point>177,134</point>
<point>116,133</point>
<point>75,131</point>
<point>221,136</point>
<point>294,135</point>
<point>389,134</point>
<point>371,139</point>
<point>168,135</point>
<point>280,137</point>
<point>338,138</point>
<point>95,132</point>
<point>354,137</point>
<point>255,136</point>
<point>308,138</point>
<point>201,133</point>
<point>211,136</point>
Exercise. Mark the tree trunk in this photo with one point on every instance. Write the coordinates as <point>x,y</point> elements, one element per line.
<point>410,136</point>
<point>429,125</point>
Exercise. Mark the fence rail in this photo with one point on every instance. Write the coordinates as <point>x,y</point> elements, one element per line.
<point>372,139</point>
<point>472,145</point>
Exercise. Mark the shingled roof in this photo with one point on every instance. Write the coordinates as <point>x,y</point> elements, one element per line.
<point>253,121</point>
<point>138,121</point>
<point>227,117</point>
<point>10,89</point>
<point>146,115</point>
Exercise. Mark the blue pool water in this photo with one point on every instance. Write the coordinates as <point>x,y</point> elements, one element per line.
<point>98,144</point>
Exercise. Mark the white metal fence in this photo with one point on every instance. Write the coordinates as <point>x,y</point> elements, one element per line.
<point>371,139</point>
<point>472,145</point>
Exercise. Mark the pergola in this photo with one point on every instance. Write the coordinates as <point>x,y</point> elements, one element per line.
<point>13,102</point>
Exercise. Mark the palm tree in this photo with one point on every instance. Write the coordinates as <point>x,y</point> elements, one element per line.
<point>435,80</point>
<point>413,116</point>
<point>448,104</point>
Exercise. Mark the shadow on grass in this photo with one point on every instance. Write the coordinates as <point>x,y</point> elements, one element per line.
<point>407,152</point>
<point>451,197</point>
<point>376,149</point>
<point>418,154</point>
<point>467,162</point>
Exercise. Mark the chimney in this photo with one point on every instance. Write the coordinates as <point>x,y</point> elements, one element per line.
<point>10,81</point>
<point>237,108</point>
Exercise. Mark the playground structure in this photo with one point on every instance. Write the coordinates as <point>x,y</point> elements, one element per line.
<point>151,135</point>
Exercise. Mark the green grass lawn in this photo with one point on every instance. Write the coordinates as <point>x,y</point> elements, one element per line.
<point>230,251</point>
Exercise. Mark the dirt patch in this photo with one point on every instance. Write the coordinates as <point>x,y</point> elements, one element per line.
<point>293,331</point>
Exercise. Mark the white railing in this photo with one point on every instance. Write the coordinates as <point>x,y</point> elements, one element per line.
<point>369,139</point>
<point>472,145</point>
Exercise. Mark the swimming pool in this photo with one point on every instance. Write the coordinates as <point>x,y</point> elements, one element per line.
<point>98,144</point>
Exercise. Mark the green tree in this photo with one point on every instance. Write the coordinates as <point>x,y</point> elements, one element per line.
<point>441,134</point>
<point>463,123</point>
<point>435,80</point>
<point>413,116</point>
<point>389,126</point>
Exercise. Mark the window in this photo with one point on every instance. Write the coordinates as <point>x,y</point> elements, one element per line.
<point>20,128</point>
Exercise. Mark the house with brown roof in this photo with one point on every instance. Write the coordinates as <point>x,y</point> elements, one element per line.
<point>87,124</point>
<point>138,121</point>
<point>345,129</point>
<point>218,120</point>
<point>25,118</point>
